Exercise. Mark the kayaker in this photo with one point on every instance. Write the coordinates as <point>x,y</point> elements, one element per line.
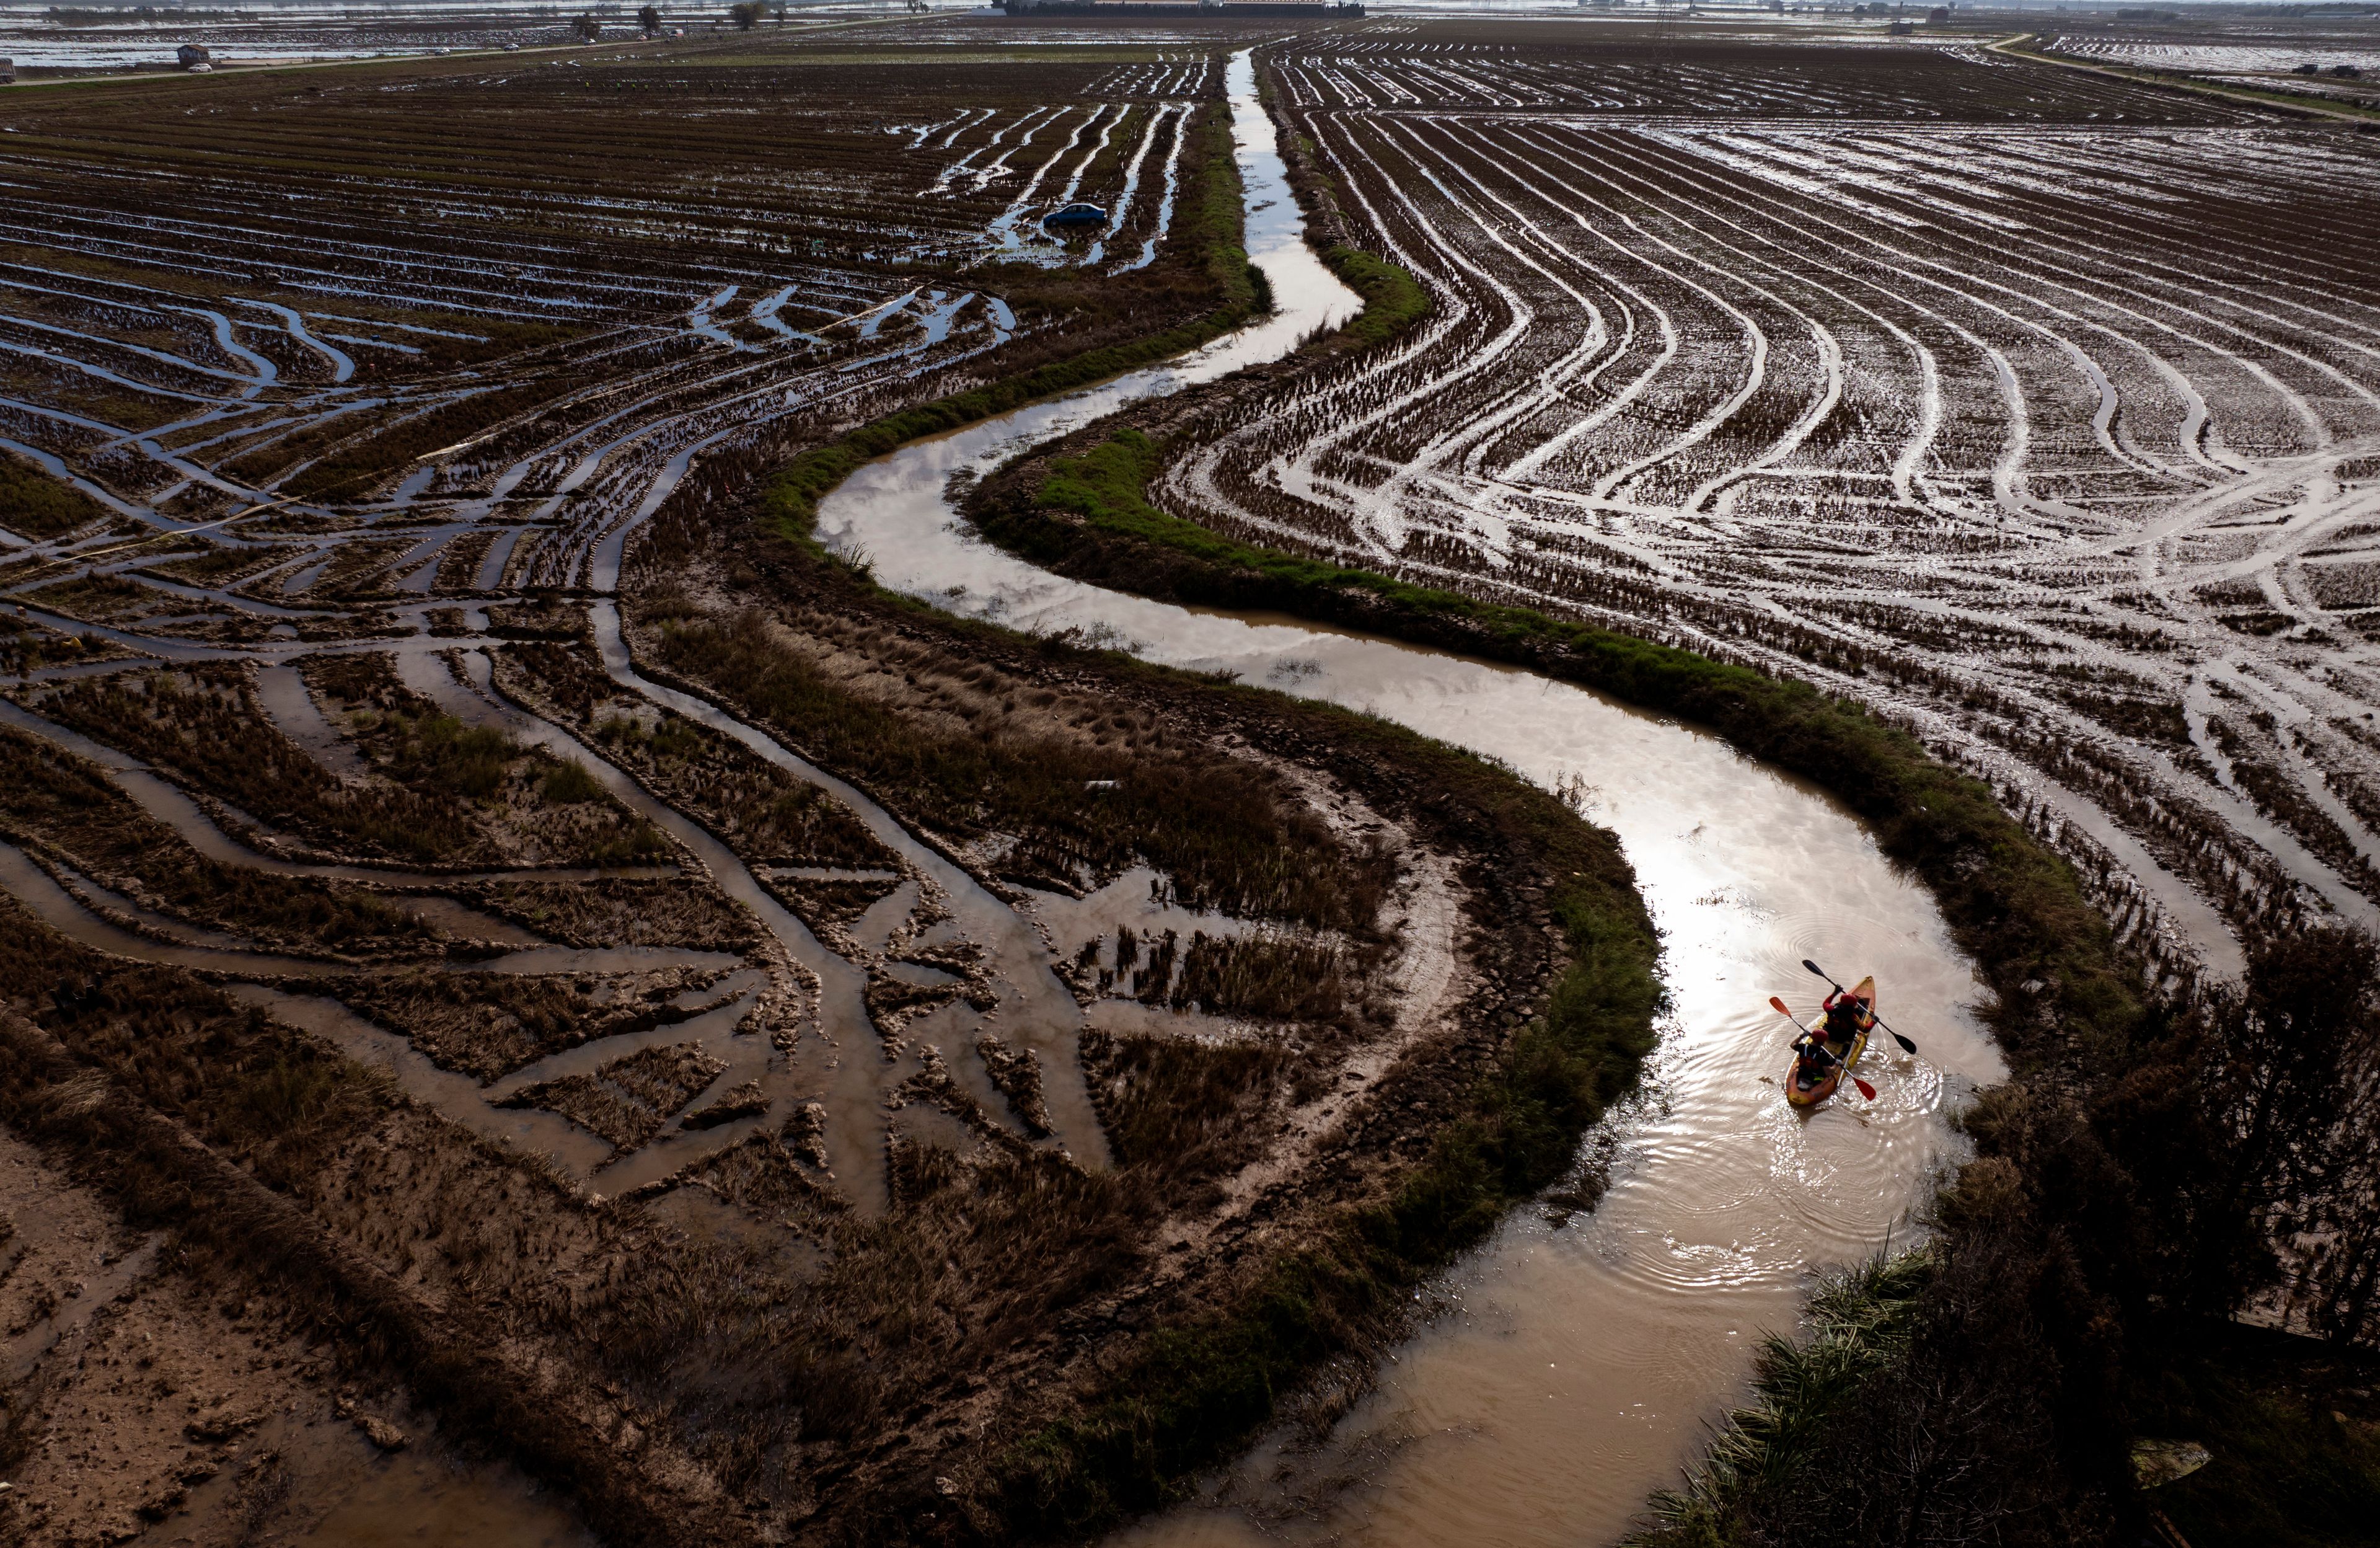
<point>1815,1052</point>
<point>1847,1018</point>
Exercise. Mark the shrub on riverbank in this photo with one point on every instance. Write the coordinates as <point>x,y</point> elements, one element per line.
<point>2080,1292</point>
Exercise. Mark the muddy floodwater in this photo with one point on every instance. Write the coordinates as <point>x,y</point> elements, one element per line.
<point>1572,1370</point>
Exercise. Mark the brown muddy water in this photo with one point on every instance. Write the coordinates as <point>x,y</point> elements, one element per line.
<point>410,1501</point>
<point>1568,1372</point>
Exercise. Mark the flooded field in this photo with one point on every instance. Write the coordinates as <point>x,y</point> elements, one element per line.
<point>784,1047</point>
<point>59,42</point>
<point>761,1018</point>
<point>1968,386</point>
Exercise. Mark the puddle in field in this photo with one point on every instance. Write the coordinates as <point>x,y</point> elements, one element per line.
<point>410,1501</point>
<point>1579,1366</point>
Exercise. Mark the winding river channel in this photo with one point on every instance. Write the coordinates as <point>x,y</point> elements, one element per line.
<point>1570,1370</point>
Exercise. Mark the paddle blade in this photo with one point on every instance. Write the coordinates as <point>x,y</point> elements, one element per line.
<point>1865,1089</point>
<point>1906,1046</point>
<point>1780,1005</point>
<point>1815,969</point>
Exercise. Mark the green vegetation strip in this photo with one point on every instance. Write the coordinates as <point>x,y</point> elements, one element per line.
<point>34,505</point>
<point>1394,299</point>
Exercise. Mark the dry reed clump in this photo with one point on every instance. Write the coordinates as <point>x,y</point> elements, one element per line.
<point>1217,825</point>
<point>1016,1074</point>
<point>621,912</point>
<point>766,814</point>
<point>55,800</point>
<point>269,1096</point>
<point>26,647</point>
<point>629,1098</point>
<point>35,506</point>
<point>412,1252</point>
<point>488,1025</point>
<point>510,799</point>
<point>1271,980</point>
<point>907,1313</point>
<point>205,726</point>
<point>1180,1107</point>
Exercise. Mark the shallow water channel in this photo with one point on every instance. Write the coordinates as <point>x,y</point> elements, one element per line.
<point>1571,1370</point>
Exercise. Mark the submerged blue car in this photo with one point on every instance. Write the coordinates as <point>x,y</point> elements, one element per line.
<point>1076,215</point>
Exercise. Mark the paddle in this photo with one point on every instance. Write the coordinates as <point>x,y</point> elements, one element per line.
<point>1864,1089</point>
<point>1906,1046</point>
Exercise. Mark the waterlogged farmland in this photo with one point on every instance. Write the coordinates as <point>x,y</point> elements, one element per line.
<point>2035,404</point>
<point>579,959</point>
<point>407,295</point>
<point>751,1058</point>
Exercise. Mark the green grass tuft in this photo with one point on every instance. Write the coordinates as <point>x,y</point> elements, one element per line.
<point>1394,299</point>
<point>1861,1321</point>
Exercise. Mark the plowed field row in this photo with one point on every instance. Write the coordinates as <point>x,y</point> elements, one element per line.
<point>2042,436</point>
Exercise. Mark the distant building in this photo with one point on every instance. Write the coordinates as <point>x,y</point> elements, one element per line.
<point>8,72</point>
<point>192,53</point>
<point>1131,10</point>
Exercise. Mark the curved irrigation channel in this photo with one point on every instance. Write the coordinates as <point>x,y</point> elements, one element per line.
<point>1576,1367</point>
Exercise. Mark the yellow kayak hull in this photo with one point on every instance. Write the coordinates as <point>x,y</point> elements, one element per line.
<point>1818,1090</point>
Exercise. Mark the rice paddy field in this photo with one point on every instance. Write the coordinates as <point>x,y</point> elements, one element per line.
<point>2033,406</point>
<point>595,1019</point>
<point>528,287</point>
<point>543,1005</point>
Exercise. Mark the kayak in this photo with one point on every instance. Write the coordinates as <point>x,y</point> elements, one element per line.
<point>1802,1092</point>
